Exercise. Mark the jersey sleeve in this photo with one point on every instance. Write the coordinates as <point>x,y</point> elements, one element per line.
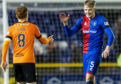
<point>9,34</point>
<point>37,33</point>
<point>74,29</point>
<point>104,23</point>
<point>108,31</point>
<point>5,49</point>
<point>110,35</point>
<point>79,23</point>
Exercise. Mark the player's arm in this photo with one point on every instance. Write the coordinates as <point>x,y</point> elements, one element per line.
<point>5,49</point>
<point>74,29</point>
<point>111,37</point>
<point>44,40</point>
<point>4,53</point>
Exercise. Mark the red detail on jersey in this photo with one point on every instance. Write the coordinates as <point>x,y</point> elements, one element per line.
<point>89,72</point>
<point>85,27</point>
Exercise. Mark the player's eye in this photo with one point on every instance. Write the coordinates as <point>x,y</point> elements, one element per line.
<point>85,9</point>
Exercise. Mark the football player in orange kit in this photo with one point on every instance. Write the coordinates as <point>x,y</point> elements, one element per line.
<point>22,35</point>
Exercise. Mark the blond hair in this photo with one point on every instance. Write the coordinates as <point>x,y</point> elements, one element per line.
<point>90,3</point>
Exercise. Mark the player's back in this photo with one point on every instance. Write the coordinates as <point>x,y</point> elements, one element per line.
<point>23,35</point>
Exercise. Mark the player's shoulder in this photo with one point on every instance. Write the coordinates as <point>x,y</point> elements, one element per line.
<point>12,26</point>
<point>81,18</point>
<point>100,16</point>
<point>31,24</point>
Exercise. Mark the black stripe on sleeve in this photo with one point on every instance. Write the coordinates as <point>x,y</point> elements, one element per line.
<point>106,27</point>
<point>39,37</point>
<point>9,37</point>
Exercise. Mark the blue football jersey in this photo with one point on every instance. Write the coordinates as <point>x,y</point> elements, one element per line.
<point>92,32</point>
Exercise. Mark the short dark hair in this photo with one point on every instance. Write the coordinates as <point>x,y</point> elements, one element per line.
<point>90,3</point>
<point>21,12</point>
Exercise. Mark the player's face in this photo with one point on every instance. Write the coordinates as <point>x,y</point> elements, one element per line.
<point>89,11</point>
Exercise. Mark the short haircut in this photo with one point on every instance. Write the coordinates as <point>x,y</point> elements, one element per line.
<point>90,3</point>
<point>21,12</point>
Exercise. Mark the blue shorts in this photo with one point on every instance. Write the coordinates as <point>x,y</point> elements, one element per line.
<point>91,61</point>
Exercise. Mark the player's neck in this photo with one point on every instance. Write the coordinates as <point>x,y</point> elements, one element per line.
<point>93,16</point>
<point>22,20</point>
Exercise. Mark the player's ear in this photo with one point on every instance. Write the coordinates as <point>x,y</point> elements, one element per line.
<point>27,15</point>
<point>16,16</point>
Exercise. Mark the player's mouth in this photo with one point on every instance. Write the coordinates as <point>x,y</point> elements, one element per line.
<point>88,15</point>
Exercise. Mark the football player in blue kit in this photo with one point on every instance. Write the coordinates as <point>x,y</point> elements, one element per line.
<point>93,26</point>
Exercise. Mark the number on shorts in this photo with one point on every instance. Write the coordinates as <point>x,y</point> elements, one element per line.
<point>92,65</point>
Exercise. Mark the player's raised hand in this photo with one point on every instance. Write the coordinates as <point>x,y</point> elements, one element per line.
<point>51,38</point>
<point>105,53</point>
<point>4,66</point>
<point>64,18</point>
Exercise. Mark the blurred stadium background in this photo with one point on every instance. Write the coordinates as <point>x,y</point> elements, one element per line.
<point>61,62</point>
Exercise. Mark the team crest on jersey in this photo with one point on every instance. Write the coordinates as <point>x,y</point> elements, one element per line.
<point>94,23</point>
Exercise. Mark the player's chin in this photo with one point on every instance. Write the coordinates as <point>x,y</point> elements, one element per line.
<point>89,16</point>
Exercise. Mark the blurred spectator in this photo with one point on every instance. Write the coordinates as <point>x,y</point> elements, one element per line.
<point>76,55</point>
<point>117,44</point>
<point>64,52</point>
<point>65,55</point>
<point>52,53</point>
<point>39,51</point>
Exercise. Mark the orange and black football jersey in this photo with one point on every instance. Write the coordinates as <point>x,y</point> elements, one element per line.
<point>23,35</point>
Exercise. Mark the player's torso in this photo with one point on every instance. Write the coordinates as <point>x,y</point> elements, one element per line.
<point>23,35</point>
<point>92,33</point>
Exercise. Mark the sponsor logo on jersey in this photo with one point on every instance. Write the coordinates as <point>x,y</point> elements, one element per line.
<point>94,23</point>
<point>89,31</point>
